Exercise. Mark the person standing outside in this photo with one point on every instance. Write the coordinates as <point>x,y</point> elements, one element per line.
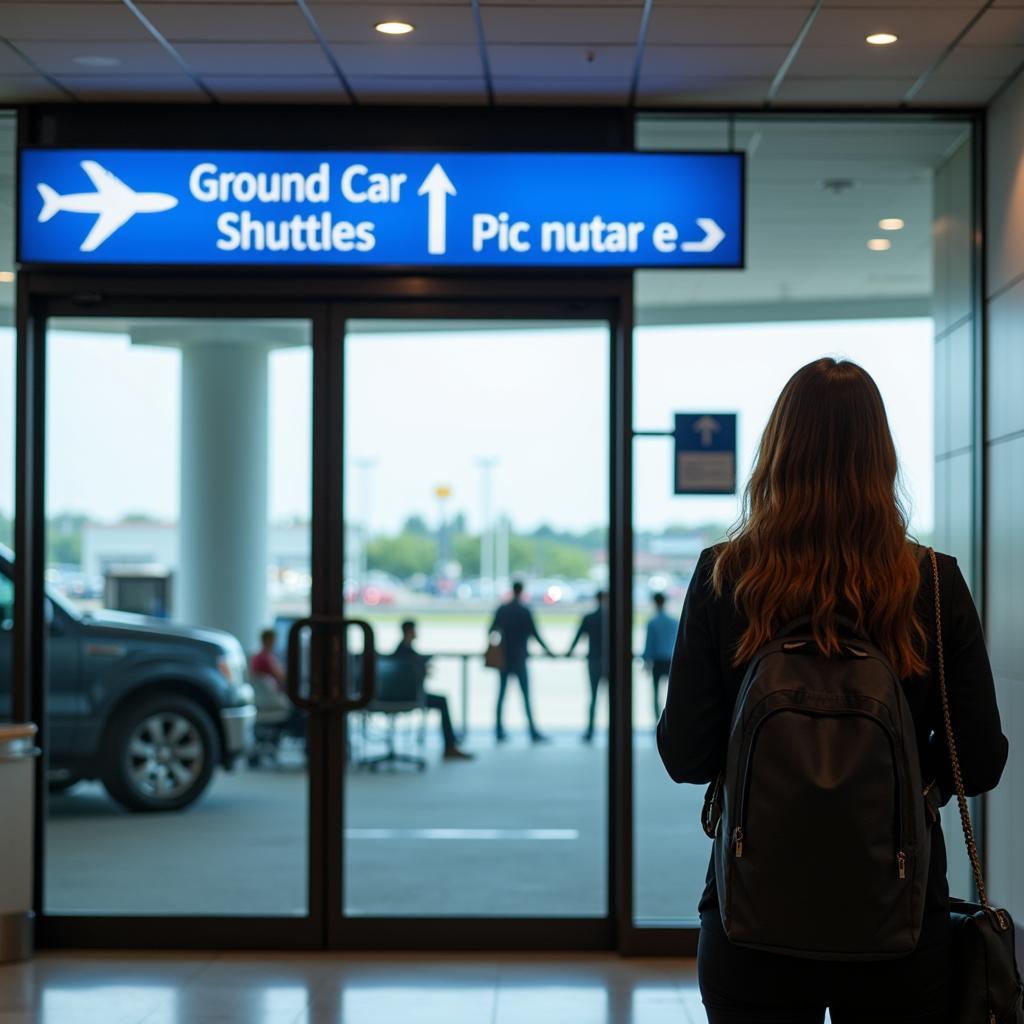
<point>661,638</point>
<point>594,626</point>
<point>513,622</point>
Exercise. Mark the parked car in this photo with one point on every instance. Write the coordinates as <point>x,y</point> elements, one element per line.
<point>549,591</point>
<point>148,707</point>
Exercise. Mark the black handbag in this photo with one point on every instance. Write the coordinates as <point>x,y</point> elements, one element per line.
<point>987,986</point>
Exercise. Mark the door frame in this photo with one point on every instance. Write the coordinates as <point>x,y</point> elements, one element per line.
<point>328,300</point>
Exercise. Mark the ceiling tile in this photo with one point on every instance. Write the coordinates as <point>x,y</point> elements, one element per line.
<point>681,90</point>
<point>1003,27</point>
<point>28,89</point>
<point>863,61</point>
<point>613,25</point>
<point>279,89</point>
<point>399,89</point>
<point>957,92</point>
<point>133,88</point>
<point>561,91</point>
<point>416,60</point>
<point>144,57</point>
<point>982,62</point>
<point>567,3</point>
<point>230,22</point>
<point>713,61</point>
<point>847,26</point>
<point>562,61</point>
<point>255,58</point>
<point>725,26</point>
<point>76,21</point>
<point>435,23</point>
<point>13,64</point>
<point>972,5</point>
<point>823,92</point>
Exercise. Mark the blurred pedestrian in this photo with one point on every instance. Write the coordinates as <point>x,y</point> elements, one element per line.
<point>594,626</point>
<point>513,622</point>
<point>661,638</point>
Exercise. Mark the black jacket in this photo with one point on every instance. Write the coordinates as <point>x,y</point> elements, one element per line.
<point>703,685</point>
<point>592,626</point>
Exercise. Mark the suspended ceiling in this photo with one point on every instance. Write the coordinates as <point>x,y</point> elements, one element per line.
<point>698,53</point>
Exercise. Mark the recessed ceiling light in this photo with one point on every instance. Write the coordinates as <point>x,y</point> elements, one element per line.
<point>90,61</point>
<point>879,244</point>
<point>891,223</point>
<point>881,38</point>
<point>6,276</point>
<point>394,28</point>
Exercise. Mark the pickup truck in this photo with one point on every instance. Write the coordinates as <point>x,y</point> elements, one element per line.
<point>148,707</point>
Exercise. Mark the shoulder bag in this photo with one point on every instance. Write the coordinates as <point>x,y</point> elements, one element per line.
<point>987,986</point>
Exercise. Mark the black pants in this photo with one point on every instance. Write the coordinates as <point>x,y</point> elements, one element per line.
<point>438,703</point>
<point>597,673</point>
<point>747,986</point>
<point>517,669</point>
<point>659,671</point>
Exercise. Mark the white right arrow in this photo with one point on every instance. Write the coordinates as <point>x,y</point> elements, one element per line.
<point>437,186</point>
<point>713,235</point>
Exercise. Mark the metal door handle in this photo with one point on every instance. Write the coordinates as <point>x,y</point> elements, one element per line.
<point>337,698</point>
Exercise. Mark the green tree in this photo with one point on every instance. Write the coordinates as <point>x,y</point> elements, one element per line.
<point>417,526</point>
<point>467,554</point>
<point>402,556</point>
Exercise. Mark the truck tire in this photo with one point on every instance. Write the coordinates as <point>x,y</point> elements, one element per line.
<point>159,753</point>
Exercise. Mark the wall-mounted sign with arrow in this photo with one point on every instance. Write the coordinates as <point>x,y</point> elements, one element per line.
<point>705,453</point>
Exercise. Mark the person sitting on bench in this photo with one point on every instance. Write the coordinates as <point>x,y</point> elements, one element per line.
<point>434,700</point>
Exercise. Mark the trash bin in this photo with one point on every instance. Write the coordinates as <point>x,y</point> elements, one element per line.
<point>18,752</point>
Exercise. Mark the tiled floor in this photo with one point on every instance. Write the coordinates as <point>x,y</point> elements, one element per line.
<point>195,988</point>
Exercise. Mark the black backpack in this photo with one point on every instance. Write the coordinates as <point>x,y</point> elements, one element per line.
<point>821,843</point>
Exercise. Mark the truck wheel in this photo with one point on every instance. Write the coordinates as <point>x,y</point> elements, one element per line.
<point>159,753</point>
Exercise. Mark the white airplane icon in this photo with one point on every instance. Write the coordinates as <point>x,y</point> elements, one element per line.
<point>113,200</point>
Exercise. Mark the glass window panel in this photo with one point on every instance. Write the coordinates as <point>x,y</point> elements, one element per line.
<point>178,518</point>
<point>817,192</point>
<point>476,454</point>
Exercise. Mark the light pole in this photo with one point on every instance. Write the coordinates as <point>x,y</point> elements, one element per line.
<point>442,492</point>
<point>366,467</point>
<point>487,552</point>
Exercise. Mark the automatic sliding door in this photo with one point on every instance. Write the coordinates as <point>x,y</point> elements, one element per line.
<point>476,455</point>
<point>178,517</point>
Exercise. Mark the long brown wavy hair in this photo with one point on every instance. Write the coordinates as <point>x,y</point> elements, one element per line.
<point>824,526</point>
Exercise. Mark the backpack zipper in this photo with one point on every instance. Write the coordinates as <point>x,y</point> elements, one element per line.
<point>738,833</point>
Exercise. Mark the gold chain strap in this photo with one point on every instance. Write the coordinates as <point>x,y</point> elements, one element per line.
<point>958,780</point>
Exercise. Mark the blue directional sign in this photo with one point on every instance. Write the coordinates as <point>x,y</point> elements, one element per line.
<point>162,207</point>
<point>705,453</point>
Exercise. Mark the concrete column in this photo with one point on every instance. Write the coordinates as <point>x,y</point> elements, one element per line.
<point>223,531</point>
<point>221,580</point>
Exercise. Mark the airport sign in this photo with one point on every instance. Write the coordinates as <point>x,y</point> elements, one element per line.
<point>705,453</point>
<point>381,209</point>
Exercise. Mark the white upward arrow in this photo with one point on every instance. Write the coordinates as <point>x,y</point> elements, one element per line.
<point>707,427</point>
<point>713,235</point>
<point>437,186</point>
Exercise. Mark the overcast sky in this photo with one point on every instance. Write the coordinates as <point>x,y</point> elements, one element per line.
<point>425,408</point>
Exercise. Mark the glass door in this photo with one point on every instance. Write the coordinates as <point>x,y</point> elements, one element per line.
<point>329,616</point>
<point>178,515</point>
<point>476,510</point>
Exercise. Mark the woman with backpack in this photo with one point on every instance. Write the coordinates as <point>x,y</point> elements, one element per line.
<point>804,692</point>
